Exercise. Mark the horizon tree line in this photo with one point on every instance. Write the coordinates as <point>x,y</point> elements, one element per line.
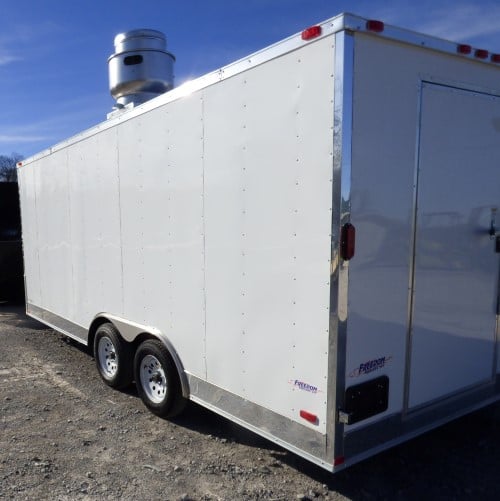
<point>8,171</point>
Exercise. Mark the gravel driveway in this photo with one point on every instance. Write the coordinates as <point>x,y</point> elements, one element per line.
<point>65,435</point>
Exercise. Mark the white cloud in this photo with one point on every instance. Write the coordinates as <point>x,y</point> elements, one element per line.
<point>7,57</point>
<point>7,138</point>
<point>455,21</point>
<point>26,34</point>
<point>463,22</point>
<point>26,39</point>
<point>64,119</point>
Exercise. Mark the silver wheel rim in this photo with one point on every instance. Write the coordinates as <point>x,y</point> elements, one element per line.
<point>153,380</point>
<point>107,357</point>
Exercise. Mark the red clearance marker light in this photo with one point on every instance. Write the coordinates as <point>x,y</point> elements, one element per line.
<point>312,32</point>
<point>347,241</point>
<point>464,49</point>
<point>495,58</point>
<point>376,26</point>
<point>339,460</point>
<point>308,416</point>
<point>481,54</point>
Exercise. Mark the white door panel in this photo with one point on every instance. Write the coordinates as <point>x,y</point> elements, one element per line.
<point>456,267</point>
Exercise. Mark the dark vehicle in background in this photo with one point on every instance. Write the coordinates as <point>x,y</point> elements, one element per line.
<point>11,255</point>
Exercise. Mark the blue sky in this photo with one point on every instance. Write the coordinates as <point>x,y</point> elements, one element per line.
<point>53,53</point>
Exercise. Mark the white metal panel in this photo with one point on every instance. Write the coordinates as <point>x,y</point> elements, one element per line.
<point>161,187</point>
<point>131,174</point>
<point>27,193</point>
<point>456,268</point>
<point>54,238</point>
<point>383,160</point>
<point>387,80</point>
<point>268,165</point>
<point>95,226</point>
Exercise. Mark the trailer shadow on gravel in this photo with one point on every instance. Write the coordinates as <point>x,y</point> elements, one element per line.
<point>445,463</point>
<point>208,423</point>
<point>454,461</point>
<point>12,313</point>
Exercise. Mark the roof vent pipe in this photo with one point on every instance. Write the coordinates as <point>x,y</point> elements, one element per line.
<point>140,69</point>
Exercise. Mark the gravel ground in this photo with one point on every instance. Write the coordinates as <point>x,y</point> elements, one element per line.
<point>65,435</point>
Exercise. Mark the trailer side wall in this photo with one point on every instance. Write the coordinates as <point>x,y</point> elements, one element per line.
<point>207,218</point>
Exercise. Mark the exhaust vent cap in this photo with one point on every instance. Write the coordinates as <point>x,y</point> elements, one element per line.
<point>141,68</point>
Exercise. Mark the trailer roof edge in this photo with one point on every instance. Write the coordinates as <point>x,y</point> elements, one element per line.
<point>341,22</point>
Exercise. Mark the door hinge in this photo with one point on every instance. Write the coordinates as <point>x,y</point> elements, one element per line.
<point>345,417</point>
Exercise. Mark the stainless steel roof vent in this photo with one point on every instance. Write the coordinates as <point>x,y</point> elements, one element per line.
<point>140,69</point>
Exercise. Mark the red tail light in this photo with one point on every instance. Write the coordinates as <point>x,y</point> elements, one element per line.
<point>347,241</point>
<point>308,416</point>
<point>464,49</point>
<point>312,32</point>
<point>376,26</point>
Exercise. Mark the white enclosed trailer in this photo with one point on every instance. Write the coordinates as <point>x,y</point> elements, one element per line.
<point>210,232</point>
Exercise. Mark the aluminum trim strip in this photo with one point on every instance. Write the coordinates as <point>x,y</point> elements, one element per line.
<point>58,323</point>
<point>458,86</point>
<point>295,437</point>
<point>413,244</point>
<point>341,203</point>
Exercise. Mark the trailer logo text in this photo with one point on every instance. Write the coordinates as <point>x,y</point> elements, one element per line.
<point>304,386</point>
<point>370,366</point>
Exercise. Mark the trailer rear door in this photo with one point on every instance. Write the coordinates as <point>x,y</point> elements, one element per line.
<point>456,268</point>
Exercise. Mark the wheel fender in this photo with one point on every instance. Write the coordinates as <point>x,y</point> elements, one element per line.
<point>130,331</point>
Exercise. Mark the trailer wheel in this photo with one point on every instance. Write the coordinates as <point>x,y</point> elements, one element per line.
<point>114,357</point>
<point>157,380</point>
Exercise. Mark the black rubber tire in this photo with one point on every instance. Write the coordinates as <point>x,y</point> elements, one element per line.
<point>173,402</point>
<point>123,357</point>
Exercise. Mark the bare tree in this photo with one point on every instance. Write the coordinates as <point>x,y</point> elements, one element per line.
<point>8,170</point>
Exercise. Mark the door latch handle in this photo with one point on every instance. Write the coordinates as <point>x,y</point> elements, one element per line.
<point>493,227</point>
